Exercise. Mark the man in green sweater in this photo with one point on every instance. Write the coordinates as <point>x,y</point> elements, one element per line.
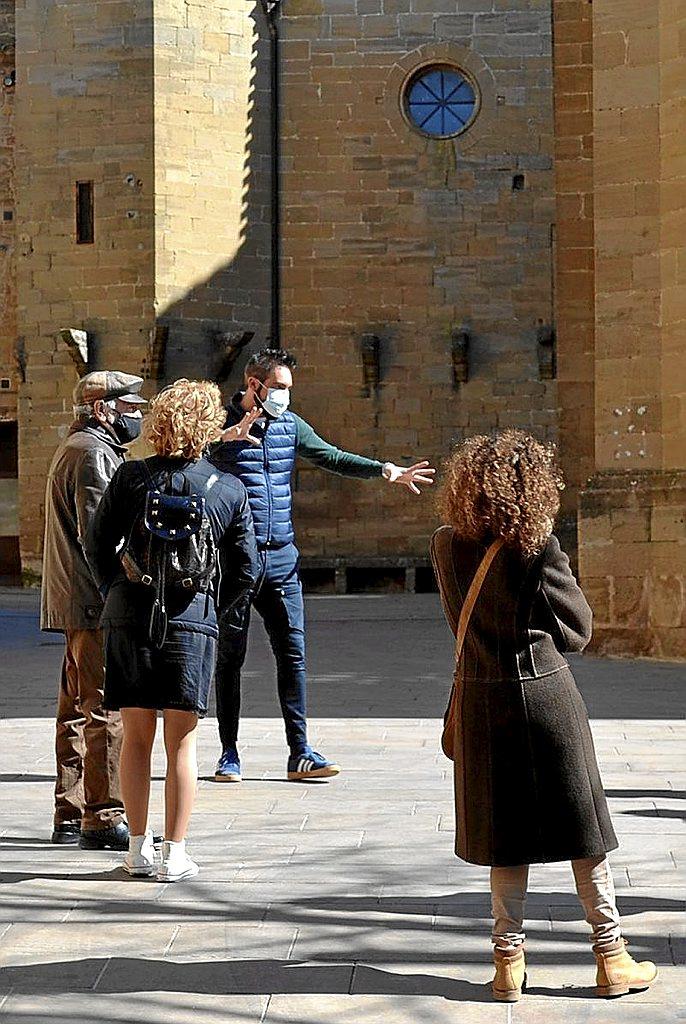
<point>260,444</point>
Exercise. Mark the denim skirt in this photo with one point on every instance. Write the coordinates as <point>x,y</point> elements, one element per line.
<point>175,677</point>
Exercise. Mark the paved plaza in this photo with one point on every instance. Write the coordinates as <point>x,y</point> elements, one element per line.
<point>335,902</point>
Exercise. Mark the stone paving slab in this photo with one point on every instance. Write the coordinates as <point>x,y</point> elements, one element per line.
<point>136,1008</point>
<point>408,1008</point>
<point>339,901</point>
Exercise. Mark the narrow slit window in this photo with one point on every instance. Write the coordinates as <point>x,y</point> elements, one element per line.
<point>85,216</point>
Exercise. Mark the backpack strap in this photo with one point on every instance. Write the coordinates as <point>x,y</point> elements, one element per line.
<point>148,479</point>
<point>165,483</point>
<point>159,620</point>
<point>157,628</point>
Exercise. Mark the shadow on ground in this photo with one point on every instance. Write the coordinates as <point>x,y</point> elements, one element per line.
<point>389,657</point>
<point>122,975</point>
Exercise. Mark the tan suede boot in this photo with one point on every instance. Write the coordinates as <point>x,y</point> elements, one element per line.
<point>510,975</point>
<point>618,973</point>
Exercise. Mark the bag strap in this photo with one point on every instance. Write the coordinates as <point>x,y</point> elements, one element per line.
<point>147,475</point>
<point>472,595</point>
<point>166,484</point>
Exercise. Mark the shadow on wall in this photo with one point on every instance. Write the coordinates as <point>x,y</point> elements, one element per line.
<point>236,298</point>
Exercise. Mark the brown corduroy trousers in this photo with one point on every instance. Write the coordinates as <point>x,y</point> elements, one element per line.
<point>88,738</point>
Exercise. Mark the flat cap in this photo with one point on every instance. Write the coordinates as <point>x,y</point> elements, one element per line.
<point>107,384</point>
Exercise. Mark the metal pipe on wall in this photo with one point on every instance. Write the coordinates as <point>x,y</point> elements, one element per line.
<point>271,13</point>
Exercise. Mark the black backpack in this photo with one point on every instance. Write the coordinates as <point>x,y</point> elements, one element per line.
<point>170,549</point>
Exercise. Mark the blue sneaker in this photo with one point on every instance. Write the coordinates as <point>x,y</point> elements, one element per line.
<point>310,765</point>
<point>228,767</point>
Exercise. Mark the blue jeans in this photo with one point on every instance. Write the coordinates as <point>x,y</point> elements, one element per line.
<point>278,599</point>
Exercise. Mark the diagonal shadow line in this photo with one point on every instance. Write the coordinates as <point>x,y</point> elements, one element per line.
<point>25,842</point>
<point>114,875</point>
<point>628,794</point>
<point>269,779</point>
<point>121,975</point>
<point>29,777</point>
<point>660,812</point>
<point>342,910</point>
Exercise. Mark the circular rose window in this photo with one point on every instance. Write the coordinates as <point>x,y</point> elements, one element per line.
<point>440,101</point>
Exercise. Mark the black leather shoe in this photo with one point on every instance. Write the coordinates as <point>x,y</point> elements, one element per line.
<point>114,838</point>
<point>66,834</point>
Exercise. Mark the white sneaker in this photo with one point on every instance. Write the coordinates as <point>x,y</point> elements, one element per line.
<point>176,864</point>
<point>140,860</point>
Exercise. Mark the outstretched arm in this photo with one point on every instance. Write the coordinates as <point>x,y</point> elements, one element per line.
<point>327,456</point>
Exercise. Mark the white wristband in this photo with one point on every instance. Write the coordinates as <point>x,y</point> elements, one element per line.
<point>391,472</point>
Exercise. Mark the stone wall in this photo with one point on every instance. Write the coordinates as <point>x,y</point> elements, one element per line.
<point>390,233</point>
<point>672,59</point>
<point>9,517</point>
<point>157,108</point>
<point>633,562</point>
<point>632,529</point>
<point>574,277</point>
<point>212,180</point>
<point>627,175</point>
<point>8,302</point>
<point>83,113</point>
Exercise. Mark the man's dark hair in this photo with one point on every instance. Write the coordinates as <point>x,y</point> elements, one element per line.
<point>262,362</point>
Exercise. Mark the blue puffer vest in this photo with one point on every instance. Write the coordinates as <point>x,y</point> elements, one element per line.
<point>265,471</point>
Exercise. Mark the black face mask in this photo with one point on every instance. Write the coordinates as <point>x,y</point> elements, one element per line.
<point>126,428</point>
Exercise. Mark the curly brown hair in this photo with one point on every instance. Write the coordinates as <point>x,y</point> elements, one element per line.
<point>504,486</point>
<point>185,418</point>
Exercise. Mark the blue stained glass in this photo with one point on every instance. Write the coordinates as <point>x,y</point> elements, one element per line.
<point>432,122</point>
<point>441,102</point>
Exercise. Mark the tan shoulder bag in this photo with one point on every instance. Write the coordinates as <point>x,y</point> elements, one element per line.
<point>449,722</point>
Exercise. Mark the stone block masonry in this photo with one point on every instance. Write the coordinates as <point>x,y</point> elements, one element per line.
<point>633,547</point>
<point>633,559</point>
<point>574,240</point>
<point>212,179</point>
<point>391,233</point>
<point>8,302</point>
<point>165,109</point>
<point>9,370</point>
<point>151,104</point>
<point>561,206</point>
<point>84,112</point>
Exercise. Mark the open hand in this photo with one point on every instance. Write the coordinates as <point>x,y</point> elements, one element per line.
<point>241,431</point>
<point>421,474</point>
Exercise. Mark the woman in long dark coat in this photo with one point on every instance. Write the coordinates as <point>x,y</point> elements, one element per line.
<point>527,786</point>
<point>142,675</point>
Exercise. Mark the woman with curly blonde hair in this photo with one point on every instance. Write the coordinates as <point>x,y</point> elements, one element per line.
<point>147,671</point>
<point>527,786</point>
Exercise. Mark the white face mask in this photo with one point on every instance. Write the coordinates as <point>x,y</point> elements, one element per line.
<point>276,402</point>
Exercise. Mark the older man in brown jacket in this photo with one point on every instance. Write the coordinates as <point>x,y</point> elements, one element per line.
<point>88,804</point>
